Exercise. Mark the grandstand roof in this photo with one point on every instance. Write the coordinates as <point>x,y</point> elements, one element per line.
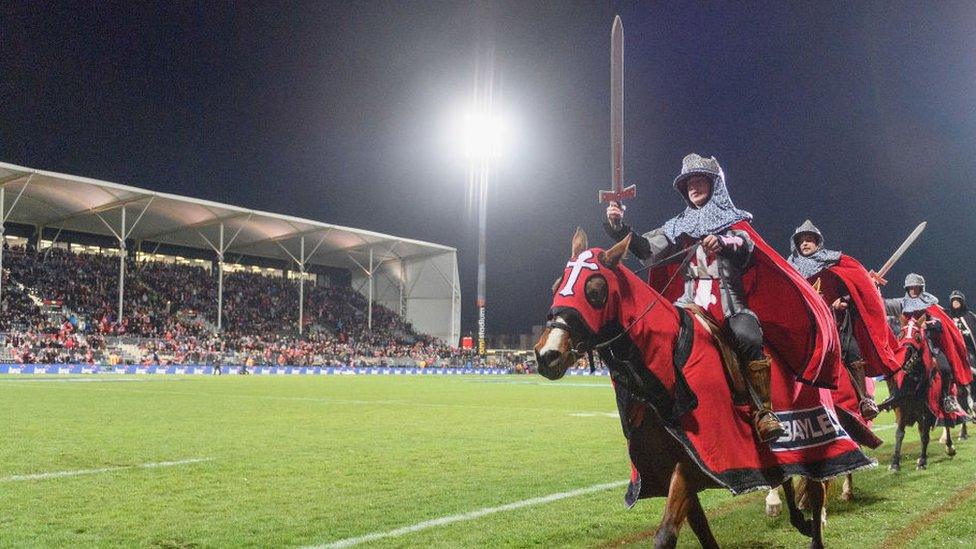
<point>92,206</point>
<point>414,271</point>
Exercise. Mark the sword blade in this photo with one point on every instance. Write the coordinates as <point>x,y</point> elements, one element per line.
<point>901,249</point>
<point>617,103</point>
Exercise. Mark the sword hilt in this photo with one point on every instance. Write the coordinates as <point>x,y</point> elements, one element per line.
<point>618,195</point>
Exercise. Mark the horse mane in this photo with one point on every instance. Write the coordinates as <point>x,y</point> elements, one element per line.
<point>642,296</point>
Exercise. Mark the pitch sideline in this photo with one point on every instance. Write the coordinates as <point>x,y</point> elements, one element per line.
<point>79,472</point>
<point>471,515</point>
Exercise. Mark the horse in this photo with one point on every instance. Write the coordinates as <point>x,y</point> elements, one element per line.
<point>662,465</point>
<point>911,396</point>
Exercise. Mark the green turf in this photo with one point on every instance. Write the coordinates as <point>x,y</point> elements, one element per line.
<point>304,460</point>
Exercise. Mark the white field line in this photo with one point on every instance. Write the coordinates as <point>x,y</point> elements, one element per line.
<point>471,515</point>
<point>606,385</point>
<point>614,415</point>
<point>79,472</point>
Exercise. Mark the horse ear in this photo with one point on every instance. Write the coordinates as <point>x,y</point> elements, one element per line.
<point>580,242</point>
<point>611,258</point>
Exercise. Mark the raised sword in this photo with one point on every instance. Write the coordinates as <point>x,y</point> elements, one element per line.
<point>617,192</point>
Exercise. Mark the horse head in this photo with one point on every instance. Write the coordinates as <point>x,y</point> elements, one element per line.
<point>585,299</point>
<point>912,339</point>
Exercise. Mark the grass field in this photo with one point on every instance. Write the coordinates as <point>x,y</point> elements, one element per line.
<point>169,461</point>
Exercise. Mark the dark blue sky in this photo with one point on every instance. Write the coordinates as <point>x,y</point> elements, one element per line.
<point>860,116</point>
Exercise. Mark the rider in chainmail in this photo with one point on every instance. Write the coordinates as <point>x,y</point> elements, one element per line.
<point>713,276</point>
<point>911,308</point>
<point>812,260</point>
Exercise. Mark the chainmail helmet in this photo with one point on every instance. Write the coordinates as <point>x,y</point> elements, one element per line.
<point>819,260</point>
<point>914,279</point>
<point>956,294</point>
<point>716,215</point>
<point>807,228</point>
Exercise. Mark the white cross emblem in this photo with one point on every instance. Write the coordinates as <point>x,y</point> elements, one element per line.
<point>577,267</point>
<point>706,271</point>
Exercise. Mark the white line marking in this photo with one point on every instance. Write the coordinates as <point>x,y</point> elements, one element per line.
<point>614,415</point>
<point>538,383</point>
<point>450,519</point>
<point>62,474</point>
<point>884,427</point>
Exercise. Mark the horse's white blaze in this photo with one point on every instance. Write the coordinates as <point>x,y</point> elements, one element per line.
<point>554,339</point>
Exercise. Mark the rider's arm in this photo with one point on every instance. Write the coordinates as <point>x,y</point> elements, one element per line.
<point>737,246</point>
<point>646,246</point>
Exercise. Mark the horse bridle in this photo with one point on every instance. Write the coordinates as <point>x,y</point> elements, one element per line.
<point>584,346</point>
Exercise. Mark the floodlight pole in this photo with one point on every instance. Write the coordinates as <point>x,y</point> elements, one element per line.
<point>483,177</point>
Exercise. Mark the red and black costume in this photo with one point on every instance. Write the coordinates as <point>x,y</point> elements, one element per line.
<point>867,344</point>
<point>769,311</point>
<point>930,337</point>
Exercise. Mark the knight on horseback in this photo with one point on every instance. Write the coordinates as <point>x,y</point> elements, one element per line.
<point>966,322</point>
<point>726,248</point>
<point>867,345</point>
<point>922,318</point>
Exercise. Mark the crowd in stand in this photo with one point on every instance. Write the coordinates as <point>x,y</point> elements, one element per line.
<point>60,306</point>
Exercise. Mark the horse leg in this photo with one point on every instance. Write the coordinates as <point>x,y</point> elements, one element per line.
<point>797,519</point>
<point>923,433</point>
<point>817,494</point>
<point>699,523</point>
<point>676,509</point>
<point>950,448</point>
<point>899,437</point>
<point>774,505</point>
<point>847,493</point>
<point>963,432</point>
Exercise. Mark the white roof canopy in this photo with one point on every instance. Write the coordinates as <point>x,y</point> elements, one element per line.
<point>69,202</point>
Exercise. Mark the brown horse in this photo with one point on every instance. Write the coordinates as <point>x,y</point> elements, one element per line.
<point>665,465</point>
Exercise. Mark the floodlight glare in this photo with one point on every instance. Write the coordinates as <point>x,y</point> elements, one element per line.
<point>483,135</point>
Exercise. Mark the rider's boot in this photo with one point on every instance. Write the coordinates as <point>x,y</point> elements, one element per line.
<point>764,420</point>
<point>868,408</point>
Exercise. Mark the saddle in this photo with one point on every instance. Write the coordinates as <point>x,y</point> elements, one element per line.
<point>730,358</point>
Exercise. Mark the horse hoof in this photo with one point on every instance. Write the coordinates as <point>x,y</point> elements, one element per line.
<point>950,451</point>
<point>774,509</point>
<point>920,466</point>
<point>963,437</point>
<point>847,496</point>
<point>895,467</point>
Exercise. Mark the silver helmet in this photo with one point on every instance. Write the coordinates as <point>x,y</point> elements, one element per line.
<point>914,279</point>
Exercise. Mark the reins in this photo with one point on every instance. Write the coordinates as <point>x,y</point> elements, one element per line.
<point>582,348</point>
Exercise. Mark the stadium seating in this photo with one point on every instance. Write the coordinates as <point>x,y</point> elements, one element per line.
<point>61,306</point>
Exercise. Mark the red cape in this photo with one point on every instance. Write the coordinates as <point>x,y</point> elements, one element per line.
<point>874,338</point>
<point>953,345</point>
<point>798,328</point>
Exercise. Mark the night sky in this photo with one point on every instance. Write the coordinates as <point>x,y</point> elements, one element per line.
<point>859,115</point>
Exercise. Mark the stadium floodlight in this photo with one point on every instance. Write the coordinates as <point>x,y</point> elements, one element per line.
<point>483,135</point>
